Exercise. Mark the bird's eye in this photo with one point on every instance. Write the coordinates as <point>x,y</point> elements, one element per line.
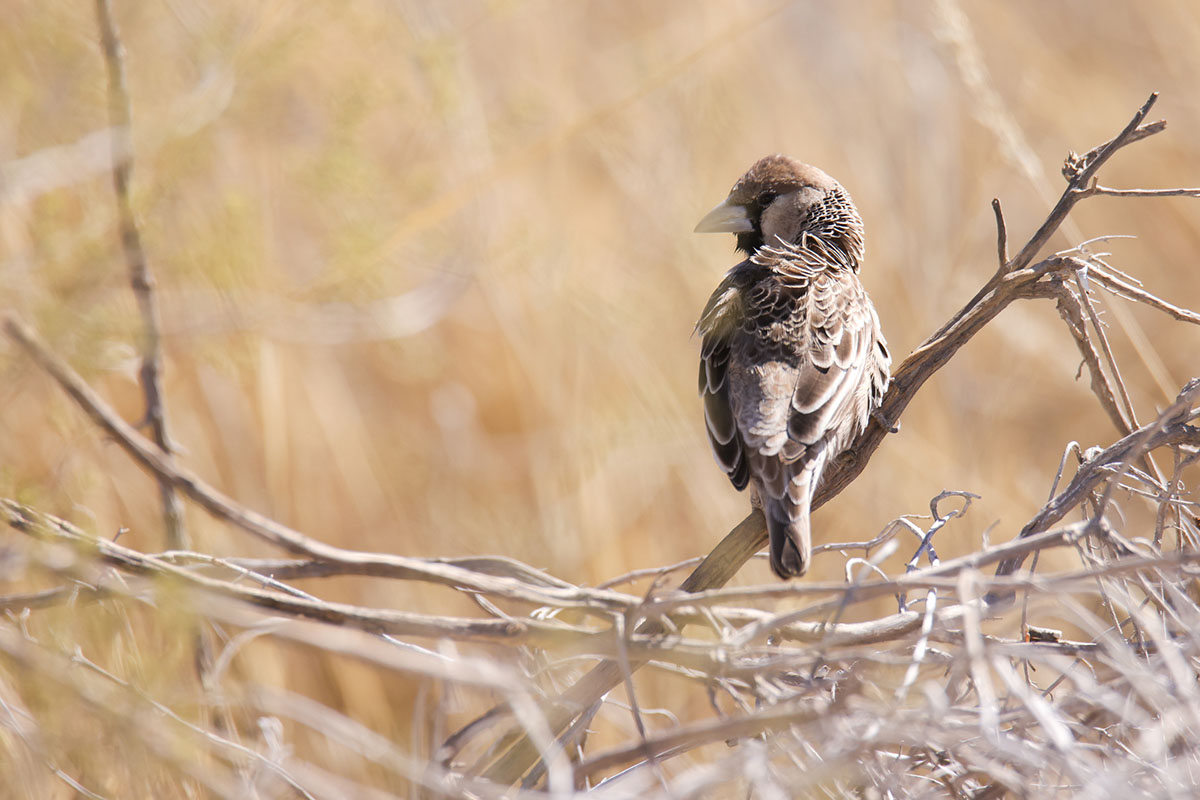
<point>765,199</point>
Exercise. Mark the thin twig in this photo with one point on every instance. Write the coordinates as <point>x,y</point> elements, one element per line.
<point>1107,192</point>
<point>371,620</point>
<point>1001,234</point>
<point>1085,301</point>
<point>1080,172</point>
<point>1071,311</point>
<point>142,279</point>
<point>1164,430</point>
<point>222,507</point>
<point>1126,289</point>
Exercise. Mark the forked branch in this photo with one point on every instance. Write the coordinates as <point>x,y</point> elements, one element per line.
<point>1016,278</point>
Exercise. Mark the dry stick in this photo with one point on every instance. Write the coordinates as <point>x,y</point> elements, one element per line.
<point>347,617</point>
<point>1107,192</point>
<point>291,569</point>
<point>545,633</point>
<point>697,656</point>
<point>1072,314</point>
<point>1125,289</point>
<point>689,737</point>
<point>930,577</point>
<point>86,587</point>
<point>582,642</point>
<point>142,280</point>
<point>1013,279</point>
<point>1166,429</point>
<point>1079,172</point>
<point>1071,305</point>
<point>545,592</point>
<point>1126,404</point>
<point>71,593</point>
<point>140,276</point>
<point>1001,234</point>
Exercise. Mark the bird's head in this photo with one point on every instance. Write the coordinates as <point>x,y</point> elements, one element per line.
<point>783,201</point>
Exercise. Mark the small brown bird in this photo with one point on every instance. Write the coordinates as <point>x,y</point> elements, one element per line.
<point>793,362</point>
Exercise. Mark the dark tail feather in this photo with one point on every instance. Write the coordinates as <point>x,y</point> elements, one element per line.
<point>791,537</point>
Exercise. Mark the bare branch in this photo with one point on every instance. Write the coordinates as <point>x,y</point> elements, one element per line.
<point>1079,171</point>
<point>1123,288</point>
<point>351,562</point>
<point>1104,191</point>
<point>1072,313</point>
<point>340,614</point>
<point>1168,428</point>
<point>139,270</point>
<point>1128,415</point>
<point>1015,279</point>
<point>687,738</point>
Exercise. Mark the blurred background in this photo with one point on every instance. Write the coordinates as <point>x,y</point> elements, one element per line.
<point>429,281</point>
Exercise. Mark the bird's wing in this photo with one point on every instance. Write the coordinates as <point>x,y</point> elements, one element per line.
<point>838,363</point>
<point>722,317</point>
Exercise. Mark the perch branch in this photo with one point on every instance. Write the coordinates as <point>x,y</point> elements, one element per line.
<point>1015,279</point>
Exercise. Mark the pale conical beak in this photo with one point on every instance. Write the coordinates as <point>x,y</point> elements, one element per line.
<point>726,218</point>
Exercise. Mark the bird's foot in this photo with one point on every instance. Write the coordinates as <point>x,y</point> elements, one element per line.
<point>884,423</point>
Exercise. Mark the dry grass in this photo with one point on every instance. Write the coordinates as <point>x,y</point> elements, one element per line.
<point>427,284</point>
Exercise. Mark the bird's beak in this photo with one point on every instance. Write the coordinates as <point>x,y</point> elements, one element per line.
<point>726,218</point>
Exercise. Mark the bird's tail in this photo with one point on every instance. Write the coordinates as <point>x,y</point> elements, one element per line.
<point>788,527</point>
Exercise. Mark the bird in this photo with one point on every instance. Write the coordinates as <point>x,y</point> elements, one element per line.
<point>793,362</point>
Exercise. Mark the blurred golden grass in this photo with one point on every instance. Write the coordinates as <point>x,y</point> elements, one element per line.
<point>527,174</point>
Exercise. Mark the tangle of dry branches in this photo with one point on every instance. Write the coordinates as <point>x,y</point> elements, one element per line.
<point>926,696</point>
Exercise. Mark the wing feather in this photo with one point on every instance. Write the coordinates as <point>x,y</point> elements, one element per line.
<point>720,319</point>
